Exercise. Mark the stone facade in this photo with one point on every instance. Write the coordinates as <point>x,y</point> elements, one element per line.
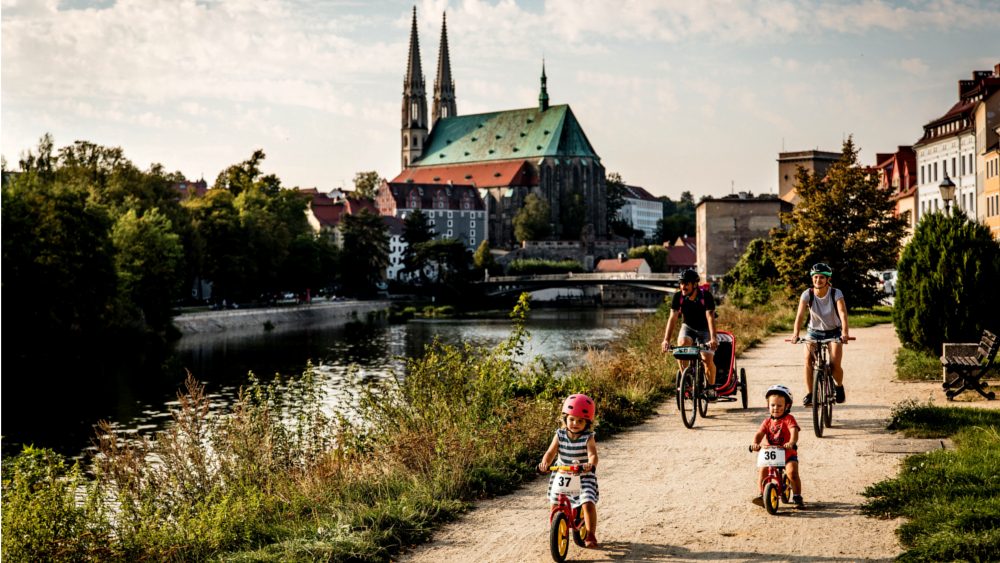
<point>726,226</point>
<point>788,163</point>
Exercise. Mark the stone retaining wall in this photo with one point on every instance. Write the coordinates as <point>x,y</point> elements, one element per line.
<point>217,321</point>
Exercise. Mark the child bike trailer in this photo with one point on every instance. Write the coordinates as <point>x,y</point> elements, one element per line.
<point>729,381</point>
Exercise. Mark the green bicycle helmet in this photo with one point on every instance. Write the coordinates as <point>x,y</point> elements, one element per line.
<point>821,268</point>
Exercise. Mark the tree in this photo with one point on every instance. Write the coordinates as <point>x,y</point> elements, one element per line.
<point>451,255</point>
<point>574,214</point>
<point>218,223</point>
<point>753,278</point>
<point>484,261</point>
<point>366,250</point>
<point>654,255</point>
<point>241,177</point>
<point>311,264</point>
<point>670,228</point>
<point>532,220</point>
<point>416,229</point>
<point>847,222</point>
<point>148,258</point>
<point>614,197</point>
<point>947,283</point>
<point>366,185</point>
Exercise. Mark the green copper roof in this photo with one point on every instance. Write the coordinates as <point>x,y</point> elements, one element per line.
<point>503,135</point>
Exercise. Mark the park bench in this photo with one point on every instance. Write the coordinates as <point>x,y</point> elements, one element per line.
<point>969,370</point>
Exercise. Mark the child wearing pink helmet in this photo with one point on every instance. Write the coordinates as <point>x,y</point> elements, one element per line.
<point>574,444</point>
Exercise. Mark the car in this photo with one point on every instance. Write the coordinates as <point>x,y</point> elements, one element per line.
<point>887,281</point>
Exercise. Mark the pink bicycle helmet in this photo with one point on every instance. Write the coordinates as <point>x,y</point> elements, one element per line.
<point>580,406</point>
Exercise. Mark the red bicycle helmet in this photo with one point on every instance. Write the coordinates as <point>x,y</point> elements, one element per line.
<point>580,406</point>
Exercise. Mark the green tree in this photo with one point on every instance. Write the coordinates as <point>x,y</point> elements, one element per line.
<point>947,283</point>
<point>532,221</point>
<point>484,261</point>
<point>574,214</point>
<point>847,222</point>
<point>148,259</point>
<point>654,255</point>
<point>311,264</point>
<point>754,277</point>
<point>669,205</point>
<point>416,229</point>
<point>670,228</point>
<point>614,197</point>
<point>452,257</point>
<point>218,224</point>
<point>241,177</point>
<point>366,185</point>
<point>366,250</point>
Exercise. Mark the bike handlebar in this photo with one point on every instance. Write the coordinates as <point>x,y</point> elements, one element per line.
<point>795,447</point>
<point>838,340</point>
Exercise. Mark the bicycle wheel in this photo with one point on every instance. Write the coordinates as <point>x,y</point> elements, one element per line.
<point>688,398</point>
<point>743,386</point>
<point>828,404</point>
<point>786,493</point>
<point>580,536</point>
<point>703,388</point>
<point>677,388</point>
<point>771,498</point>
<point>818,399</point>
<point>559,538</point>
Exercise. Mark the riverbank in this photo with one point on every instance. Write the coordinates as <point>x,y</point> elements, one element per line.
<point>285,317</point>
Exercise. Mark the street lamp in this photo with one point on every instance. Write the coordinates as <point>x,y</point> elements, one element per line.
<point>947,188</point>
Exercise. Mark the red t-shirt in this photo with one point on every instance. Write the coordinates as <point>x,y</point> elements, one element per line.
<point>778,432</point>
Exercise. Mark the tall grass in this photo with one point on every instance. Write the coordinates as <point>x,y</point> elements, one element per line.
<point>277,479</point>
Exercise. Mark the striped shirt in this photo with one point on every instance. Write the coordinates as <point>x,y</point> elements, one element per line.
<point>570,451</point>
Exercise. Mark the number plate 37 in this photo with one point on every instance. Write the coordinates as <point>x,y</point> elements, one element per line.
<point>771,457</point>
<point>566,484</point>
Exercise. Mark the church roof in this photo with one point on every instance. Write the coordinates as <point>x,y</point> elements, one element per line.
<point>492,175</point>
<point>516,134</point>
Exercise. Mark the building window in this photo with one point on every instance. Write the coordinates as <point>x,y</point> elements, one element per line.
<point>449,223</point>
<point>923,180</point>
<point>472,224</point>
<point>935,172</point>
<point>953,169</point>
<point>449,214</point>
<point>449,232</point>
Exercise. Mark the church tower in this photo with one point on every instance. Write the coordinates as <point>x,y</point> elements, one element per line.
<point>444,86</point>
<point>414,130</point>
<point>543,97</point>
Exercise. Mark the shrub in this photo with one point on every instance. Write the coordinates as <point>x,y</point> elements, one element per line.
<point>754,278</point>
<point>530,266</point>
<point>946,291</point>
<point>654,255</point>
<point>445,310</point>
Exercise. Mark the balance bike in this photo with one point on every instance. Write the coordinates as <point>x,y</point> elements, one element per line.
<point>777,485</point>
<point>564,518</point>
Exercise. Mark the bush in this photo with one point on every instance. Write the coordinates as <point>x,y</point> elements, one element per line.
<point>446,310</point>
<point>946,291</point>
<point>754,278</point>
<point>530,266</point>
<point>654,255</point>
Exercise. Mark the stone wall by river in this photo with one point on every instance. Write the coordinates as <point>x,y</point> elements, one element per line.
<point>280,317</point>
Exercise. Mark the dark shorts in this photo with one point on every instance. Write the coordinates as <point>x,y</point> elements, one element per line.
<point>702,336</point>
<point>794,458</point>
<point>823,334</point>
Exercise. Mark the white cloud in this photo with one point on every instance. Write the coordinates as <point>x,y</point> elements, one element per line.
<point>791,65</point>
<point>913,66</point>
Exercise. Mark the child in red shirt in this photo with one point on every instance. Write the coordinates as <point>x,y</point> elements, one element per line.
<point>780,429</point>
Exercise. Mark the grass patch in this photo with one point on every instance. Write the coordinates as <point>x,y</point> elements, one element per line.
<point>951,498</point>
<point>915,365</point>
<point>862,318</point>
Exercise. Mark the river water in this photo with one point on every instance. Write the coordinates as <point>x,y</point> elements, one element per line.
<point>136,392</point>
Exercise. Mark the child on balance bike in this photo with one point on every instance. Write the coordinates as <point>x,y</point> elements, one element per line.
<point>780,429</point>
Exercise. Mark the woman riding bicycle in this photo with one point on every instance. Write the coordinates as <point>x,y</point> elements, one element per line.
<point>827,319</point>
<point>697,306</point>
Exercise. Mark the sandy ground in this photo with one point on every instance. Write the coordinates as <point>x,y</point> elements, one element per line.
<point>673,494</point>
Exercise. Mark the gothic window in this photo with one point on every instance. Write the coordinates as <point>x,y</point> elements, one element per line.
<point>466,200</point>
<point>406,141</point>
<point>416,142</point>
<point>413,111</point>
<point>440,200</point>
<point>444,111</point>
<point>413,201</point>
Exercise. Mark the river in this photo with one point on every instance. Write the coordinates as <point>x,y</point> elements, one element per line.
<point>136,390</point>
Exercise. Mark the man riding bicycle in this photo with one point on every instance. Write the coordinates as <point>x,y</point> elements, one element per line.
<point>697,306</point>
<point>827,319</point>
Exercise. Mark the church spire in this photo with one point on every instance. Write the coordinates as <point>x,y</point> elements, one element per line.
<point>444,86</point>
<point>414,129</point>
<point>543,98</point>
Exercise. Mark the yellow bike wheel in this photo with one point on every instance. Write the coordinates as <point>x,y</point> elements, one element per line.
<point>559,538</point>
<point>580,536</point>
<point>771,498</point>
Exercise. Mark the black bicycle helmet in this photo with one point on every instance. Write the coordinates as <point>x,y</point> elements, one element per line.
<point>690,275</point>
<point>821,268</point>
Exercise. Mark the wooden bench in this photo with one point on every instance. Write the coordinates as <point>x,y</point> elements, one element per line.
<point>969,370</point>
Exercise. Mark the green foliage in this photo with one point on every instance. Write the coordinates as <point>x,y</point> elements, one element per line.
<point>148,256</point>
<point>654,255</point>
<point>483,261</point>
<point>416,230</point>
<point>574,214</point>
<point>532,221</point>
<point>753,279</point>
<point>912,364</point>
<point>670,228</point>
<point>312,263</point>
<point>530,266</point>
<point>949,498</point>
<point>847,222</point>
<point>946,291</point>
<point>246,175</point>
<point>366,185</point>
<point>366,250</point>
<point>452,257</point>
<point>861,318</point>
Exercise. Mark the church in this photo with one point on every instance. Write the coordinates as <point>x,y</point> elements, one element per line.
<point>501,157</point>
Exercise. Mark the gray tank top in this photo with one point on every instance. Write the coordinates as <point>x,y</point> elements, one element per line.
<point>823,313</point>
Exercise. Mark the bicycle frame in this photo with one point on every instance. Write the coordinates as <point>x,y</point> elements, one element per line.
<point>777,480</point>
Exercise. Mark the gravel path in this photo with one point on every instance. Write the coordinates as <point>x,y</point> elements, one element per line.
<point>672,494</point>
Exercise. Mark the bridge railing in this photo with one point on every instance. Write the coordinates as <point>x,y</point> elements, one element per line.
<point>585,277</point>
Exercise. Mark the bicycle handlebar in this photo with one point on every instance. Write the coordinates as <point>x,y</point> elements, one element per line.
<point>795,447</point>
<point>838,340</point>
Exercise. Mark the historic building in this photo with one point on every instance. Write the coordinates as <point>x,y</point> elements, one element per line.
<point>897,174</point>
<point>641,210</point>
<point>725,227</point>
<point>817,162</point>
<point>504,156</point>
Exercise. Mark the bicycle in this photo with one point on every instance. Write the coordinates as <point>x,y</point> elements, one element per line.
<point>823,393</point>
<point>564,519</point>
<point>692,384</point>
<point>777,485</point>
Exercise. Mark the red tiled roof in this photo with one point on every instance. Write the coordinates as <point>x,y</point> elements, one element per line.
<point>635,192</point>
<point>681,255</point>
<point>394,196</point>
<point>330,212</point>
<point>495,175</point>
<point>630,265</point>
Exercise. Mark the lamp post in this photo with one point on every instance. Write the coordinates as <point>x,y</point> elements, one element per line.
<point>947,188</point>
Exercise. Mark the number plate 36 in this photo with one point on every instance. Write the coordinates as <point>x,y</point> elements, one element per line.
<point>566,484</point>
<point>771,457</point>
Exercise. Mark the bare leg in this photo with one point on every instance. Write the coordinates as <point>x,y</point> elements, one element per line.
<point>809,367</point>
<point>792,468</point>
<point>836,355</point>
<point>760,480</point>
<point>709,360</point>
<point>590,517</point>
<point>684,341</point>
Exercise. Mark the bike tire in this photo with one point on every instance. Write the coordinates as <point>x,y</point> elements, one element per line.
<point>818,399</point>
<point>559,538</point>
<point>771,498</point>
<point>580,536</point>
<point>786,492</point>
<point>688,395</point>
<point>828,404</point>
<point>743,386</point>
<point>702,401</point>
<point>677,388</point>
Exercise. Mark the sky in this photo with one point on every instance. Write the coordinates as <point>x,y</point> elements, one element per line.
<point>675,95</point>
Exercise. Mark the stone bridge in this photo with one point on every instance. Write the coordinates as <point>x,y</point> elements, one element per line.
<point>505,285</point>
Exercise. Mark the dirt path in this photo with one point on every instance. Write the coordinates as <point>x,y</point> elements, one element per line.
<point>672,494</point>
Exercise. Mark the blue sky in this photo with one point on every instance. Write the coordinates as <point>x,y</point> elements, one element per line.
<point>674,94</point>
